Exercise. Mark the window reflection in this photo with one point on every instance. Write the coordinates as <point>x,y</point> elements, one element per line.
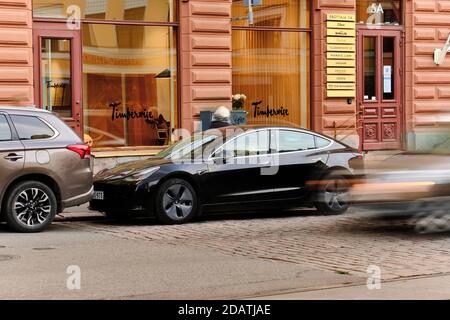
<point>379,12</point>
<point>138,10</point>
<point>273,70</point>
<point>129,84</point>
<point>273,13</point>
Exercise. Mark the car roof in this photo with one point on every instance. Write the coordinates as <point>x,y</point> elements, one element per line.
<point>23,109</point>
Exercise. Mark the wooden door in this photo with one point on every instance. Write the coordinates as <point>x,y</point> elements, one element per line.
<point>380,99</point>
<point>57,72</point>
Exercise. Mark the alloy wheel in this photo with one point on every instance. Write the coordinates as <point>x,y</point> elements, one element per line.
<point>178,202</point>
<point>32,207</point>
<point>336,195</point>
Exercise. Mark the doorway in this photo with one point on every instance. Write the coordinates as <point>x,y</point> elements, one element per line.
<point>380,95</point>
<point>57,72</point>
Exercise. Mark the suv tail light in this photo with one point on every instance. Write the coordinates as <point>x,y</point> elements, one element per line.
<point>83,150</point>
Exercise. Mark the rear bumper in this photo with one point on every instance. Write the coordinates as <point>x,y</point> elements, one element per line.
<point>77,200</point>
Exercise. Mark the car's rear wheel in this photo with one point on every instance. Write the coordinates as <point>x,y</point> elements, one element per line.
<point>31,206</point>
<point>333,195</point>
<point>176,202</point>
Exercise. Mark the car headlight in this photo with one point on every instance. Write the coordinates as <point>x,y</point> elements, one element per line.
<point>141,174</point>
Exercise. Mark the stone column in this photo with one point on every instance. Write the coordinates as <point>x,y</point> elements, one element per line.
<point>16,55</point>
<point>205,51</point>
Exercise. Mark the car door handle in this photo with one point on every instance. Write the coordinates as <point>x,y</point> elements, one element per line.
<point>13,157</point>
<point>266,164</point>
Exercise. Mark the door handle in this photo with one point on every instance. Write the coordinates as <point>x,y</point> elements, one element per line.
<point>13,157</point>
<point>266,164</point>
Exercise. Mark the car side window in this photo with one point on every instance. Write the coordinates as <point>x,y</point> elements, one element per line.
<point>5,130</point>
<point>31,128</point>
<point>250,144</point>
<point>321,142</point>
<point>292,141</point>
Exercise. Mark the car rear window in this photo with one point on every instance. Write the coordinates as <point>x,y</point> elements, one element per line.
<point>5,130</point>
<point>31,128</point>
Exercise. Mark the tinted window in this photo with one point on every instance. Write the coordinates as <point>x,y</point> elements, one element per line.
<point>31,128</point>
<point>321,142</point>
<point>5,131</point>
<point>251,144</point>
<point>290,141</point>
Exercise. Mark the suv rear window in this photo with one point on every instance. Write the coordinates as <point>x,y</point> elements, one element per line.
<point>5,130</point>
<point>31,128</point>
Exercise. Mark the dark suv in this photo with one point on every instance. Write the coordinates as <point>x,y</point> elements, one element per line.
<point>44,168</point>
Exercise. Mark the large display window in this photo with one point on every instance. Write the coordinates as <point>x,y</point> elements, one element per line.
<point>272,61</point>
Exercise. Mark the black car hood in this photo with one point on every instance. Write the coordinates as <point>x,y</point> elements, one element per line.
<point>130,168</point>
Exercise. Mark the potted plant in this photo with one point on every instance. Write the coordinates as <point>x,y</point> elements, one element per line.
<point>238,114</point>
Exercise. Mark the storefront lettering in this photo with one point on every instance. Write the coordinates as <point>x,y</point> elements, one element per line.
<point>130,114</point>
<point>268,112</point>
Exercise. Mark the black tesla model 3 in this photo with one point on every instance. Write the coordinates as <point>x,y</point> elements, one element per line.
<point>230,169</point>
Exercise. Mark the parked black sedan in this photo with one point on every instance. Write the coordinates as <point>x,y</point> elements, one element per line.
<point>233,168</point>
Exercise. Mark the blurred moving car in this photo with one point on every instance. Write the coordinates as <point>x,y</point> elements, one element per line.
<point>45,168</point>
<point>229,169</point>
<point>408,184</point>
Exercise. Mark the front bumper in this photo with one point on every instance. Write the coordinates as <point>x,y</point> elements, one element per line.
<point>120,197</point>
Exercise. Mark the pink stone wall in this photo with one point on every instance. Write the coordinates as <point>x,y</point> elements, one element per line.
<point>205,52</point>
<point>16,55</point>
<point>427,85</point>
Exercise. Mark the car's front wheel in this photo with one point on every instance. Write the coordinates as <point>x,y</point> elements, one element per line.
<point>333,195</point>
<point>31,206</point>
<point>176,202</point>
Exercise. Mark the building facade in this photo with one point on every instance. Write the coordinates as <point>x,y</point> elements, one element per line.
<point>126,73</point>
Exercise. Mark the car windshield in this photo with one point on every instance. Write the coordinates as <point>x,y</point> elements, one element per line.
<point>193,147</point>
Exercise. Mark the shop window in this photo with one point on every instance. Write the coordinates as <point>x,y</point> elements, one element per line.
<point>56,76</point>
<point>384,12</point>
<point>132,10</point>
<point>272,68</point>
<point>273,13</point>
<point>129,84</point>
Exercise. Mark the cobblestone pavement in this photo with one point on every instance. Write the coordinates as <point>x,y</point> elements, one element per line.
<point>344,244</point>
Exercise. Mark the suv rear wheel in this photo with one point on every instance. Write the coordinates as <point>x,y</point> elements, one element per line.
<point>31,206</point>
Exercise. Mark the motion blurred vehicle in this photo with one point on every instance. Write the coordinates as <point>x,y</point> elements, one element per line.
<point>45,168</point>
<point>232,169</point>
<point>407,184</point>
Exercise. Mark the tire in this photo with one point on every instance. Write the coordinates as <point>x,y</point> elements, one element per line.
<point>31,206</point>
<point>333,197</point>
<point>176,202</point>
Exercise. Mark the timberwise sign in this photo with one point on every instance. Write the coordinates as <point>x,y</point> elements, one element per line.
<point>341,57</point>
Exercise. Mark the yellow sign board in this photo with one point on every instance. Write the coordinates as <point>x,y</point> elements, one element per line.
<point>340,25</point>
<point>341,48</point>
<point>341,55</point>
<point>341,17</point>
<point>341,93</point>
<point>341,40</point>
<point>341,78</point>
<point>341,63</point>
<point>341,33</point>
<point>341,71</point>
<point>341,86</point>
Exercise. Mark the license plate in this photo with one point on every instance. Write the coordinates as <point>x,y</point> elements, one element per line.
<point>99,195</point>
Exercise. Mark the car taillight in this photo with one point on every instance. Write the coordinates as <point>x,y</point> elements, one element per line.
<point>83,150</point>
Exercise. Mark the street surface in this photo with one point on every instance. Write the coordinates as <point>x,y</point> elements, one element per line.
<point>289,255</point>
